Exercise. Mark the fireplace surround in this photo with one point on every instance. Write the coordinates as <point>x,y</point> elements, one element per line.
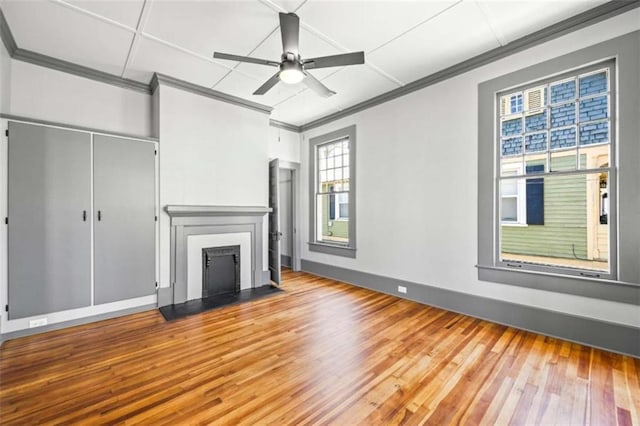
<point>186,221</point>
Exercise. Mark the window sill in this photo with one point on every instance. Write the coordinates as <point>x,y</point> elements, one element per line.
<point>597,288</point>
<point>520,225</point>
<point>333,249</point>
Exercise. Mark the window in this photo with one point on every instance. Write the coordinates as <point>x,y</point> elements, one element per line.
<point>577,151</point>
<point>562,137</point>
<point>332,222</point>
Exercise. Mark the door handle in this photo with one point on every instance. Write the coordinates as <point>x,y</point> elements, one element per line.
<point>99,215</point>
<point>84,215</point>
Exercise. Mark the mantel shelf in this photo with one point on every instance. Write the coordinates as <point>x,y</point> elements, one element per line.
<point>180,210</point>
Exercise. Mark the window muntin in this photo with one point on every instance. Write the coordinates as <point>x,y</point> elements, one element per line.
<point>563,137</point>
<point>332,192</point>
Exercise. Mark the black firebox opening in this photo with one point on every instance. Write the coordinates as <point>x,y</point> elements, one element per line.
<point>220,270</point>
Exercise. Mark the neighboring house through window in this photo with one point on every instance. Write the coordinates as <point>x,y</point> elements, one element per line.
<point>553,154</point>
<point>332,222</point>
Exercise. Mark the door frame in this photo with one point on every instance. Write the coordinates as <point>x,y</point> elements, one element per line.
<point>296,244</point>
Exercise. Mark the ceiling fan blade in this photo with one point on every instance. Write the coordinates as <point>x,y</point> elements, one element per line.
<point>290,32</point>
<point>352,58</point>
<point>258,61</point>
<point>268,84</point>
<point>315,85</point>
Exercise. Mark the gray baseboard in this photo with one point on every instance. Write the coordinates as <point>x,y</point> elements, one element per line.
<point>285,260</point>
<point>610,336</point>
<point>80,321</point>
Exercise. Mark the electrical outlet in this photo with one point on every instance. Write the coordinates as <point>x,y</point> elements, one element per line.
<point>38,322</point>
<point>402,289</point>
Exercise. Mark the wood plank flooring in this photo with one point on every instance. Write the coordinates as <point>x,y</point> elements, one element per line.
<point>323,352</point>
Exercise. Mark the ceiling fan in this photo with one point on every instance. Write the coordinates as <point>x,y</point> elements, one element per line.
<point>293,69</point>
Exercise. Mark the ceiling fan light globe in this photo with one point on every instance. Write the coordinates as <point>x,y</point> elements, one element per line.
<point>291,76</point>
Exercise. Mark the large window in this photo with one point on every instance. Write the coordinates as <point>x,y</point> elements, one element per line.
<point>553,174</point>
<point>331,180</point>
<point>573,154</point>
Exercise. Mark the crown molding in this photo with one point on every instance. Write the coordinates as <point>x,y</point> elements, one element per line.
<point>79,70</point>
<point>285,126</point>
<point>7,36</point>
<point>204,91</point>
<point>574,23</point>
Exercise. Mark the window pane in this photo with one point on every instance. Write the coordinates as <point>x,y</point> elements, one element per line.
<point>536,142</point>
<point>594,156</point>
<point>331,176</point>
<point>563,91</point>
<point>338,161</point>
<point>323,176</point>
<point>512,127</point>
<point>594,83</point>
<point>511,166</point>
<point>563,161</point>
<point>330,163</point>
<point>338,149</point>
<point>594,133</point>
<point>322,152</point>
<point>594,109</point>
<point>563,138</point>
<point>563,115</point>
<point>571,223</point>
<point>338,174</point>
<point>328,229</point>
<point>512,146</point>
<point>536,122</point>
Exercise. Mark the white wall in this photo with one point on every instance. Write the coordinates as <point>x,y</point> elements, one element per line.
<point>46,94</point>
<point>284,145</point>
<point>211,153</point>
<point>416,175</point>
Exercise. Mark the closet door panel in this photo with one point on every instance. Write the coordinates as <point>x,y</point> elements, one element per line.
<point>124,217</point>
<point>49,235</point>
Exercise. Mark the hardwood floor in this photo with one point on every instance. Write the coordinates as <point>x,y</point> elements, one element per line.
<point>323,352</point>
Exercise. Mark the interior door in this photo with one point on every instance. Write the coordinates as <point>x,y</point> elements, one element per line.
<point>124,215</point>
<point>274,221</point>
<point>49,232</point>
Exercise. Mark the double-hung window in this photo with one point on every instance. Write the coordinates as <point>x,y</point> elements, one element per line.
<point>332,220</point>
<point>554,171</point>
<point>558,192</point>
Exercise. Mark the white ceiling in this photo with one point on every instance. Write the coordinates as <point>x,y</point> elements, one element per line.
<point>403,40</point>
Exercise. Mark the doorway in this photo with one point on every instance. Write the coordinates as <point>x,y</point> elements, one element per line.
<point>285,181</point>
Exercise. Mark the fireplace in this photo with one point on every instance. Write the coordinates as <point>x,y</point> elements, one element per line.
<point>220,270</point>
<point>193,228</point>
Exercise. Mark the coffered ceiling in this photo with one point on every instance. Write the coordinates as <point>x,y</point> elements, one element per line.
<point>403,40</point>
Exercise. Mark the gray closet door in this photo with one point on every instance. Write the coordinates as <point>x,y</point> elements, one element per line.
<point>124,218</point>
<point>49,228</point>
